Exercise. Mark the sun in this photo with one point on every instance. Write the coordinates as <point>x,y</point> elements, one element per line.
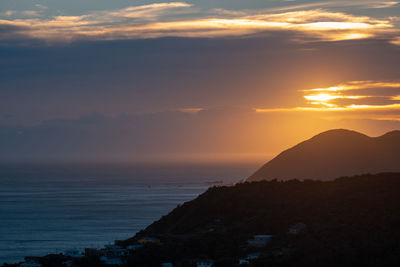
<point>322,98</point>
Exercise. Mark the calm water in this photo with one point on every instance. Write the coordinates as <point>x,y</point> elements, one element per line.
<point>52,208</point>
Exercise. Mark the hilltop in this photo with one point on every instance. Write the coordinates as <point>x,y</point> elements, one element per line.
<point>349,221</point>
<point>333,154</point>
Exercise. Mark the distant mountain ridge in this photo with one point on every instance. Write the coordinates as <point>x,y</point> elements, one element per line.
<point>332,154</point>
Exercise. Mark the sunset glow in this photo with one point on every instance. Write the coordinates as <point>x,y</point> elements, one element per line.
<point>158,80</point>
<point>327,98</point>
<point>321,97</point>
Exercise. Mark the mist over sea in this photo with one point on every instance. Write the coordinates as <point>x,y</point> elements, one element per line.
<point>52,208</point>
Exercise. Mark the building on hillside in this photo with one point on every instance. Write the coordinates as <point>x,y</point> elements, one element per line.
<point>259,241</point>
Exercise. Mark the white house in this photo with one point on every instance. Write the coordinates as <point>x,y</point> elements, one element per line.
<point>259,241</point>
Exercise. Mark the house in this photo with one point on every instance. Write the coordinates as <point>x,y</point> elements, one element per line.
<point>205,263</point>
<point>167,264</point>
<point>297,228</point>
<point>73,253</point>
<point>259,241</point>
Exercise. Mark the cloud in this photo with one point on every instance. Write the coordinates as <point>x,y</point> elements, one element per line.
<point>191,110</point>
<point>162,19</point>
<point>25,13</point>
<point>144,12</point>
<point>340,98</point>
<point>7,13</point>
<point>355,90</point>
<point>396,41</point>
<point>31,13</point>
<point>41,7</point>
<point>363,89</point>
<point>383,4</point>
<point>334,4</point>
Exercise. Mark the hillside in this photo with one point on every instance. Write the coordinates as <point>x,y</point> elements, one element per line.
<point>351,220</point>
<point>333,154</point>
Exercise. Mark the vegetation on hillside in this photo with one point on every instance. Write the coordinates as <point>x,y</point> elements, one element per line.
<point>349,220</point>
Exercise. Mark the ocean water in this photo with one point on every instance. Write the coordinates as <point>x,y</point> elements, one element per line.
<point>52,208</point>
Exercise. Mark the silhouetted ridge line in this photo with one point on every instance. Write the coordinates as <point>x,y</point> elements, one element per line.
<point>334,153</point>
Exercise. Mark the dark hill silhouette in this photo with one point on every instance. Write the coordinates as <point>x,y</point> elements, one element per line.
<point>333,154</point>
<point>350,221</point>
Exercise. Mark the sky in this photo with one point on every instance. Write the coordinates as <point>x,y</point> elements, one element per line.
<point>192,81</point>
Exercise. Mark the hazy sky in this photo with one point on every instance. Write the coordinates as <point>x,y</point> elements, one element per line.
<point>194,80</point>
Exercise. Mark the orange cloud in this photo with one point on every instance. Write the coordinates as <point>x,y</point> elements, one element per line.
<point>391,107</point>
<point>356,85</point>
<point>320,100</point>
<point>396,41</point>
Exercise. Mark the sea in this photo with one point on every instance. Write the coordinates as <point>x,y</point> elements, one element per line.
<point>52,208</point>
